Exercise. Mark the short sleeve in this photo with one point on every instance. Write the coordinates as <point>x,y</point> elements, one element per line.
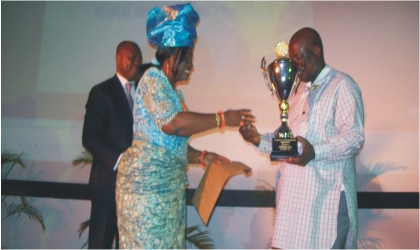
<point>160,99</point>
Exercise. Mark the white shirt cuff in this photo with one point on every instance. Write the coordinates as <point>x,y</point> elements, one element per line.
<point>118,161</point>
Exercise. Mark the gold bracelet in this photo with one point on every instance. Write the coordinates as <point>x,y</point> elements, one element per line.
<point>218,120</point>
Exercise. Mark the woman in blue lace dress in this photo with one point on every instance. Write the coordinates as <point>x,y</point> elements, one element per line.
<point>151,183</point>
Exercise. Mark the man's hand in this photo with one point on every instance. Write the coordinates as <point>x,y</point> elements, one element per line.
<point>308,153</point>
<point>250,134</point>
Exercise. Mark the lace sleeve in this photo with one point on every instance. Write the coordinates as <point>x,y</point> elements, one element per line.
<point>160,99</point>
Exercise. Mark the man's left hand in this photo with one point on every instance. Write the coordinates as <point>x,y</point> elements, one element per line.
<point>308,153</point>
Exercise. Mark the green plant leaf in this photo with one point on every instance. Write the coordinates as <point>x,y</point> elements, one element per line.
<point>269,194</point>
<point>25,208</point>
<point>266,187</point>
<point>366,173</point>
<point>199,239</point>
<point>84,158</point>
<point>191,229</point>
<point>12,158</point>
<point>83,227</point>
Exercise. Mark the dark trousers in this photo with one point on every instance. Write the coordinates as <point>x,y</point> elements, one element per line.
<point>103,225</point>
<point>343,223</point>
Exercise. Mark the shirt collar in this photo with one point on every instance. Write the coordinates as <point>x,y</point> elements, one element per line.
<point>123,80</point>
<point>321,75</point>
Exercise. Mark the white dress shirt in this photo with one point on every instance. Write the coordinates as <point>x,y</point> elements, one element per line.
<point>330,116</point>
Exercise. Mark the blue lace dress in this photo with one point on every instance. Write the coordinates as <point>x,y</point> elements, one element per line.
<point>151,182</point>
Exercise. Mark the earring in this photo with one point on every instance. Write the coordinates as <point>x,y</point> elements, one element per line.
<point>167,69</point>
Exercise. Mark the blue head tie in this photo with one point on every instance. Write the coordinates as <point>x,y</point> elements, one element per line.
<point>172,26</point>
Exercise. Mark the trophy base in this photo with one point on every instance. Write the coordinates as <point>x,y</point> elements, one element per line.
<point>284,148</point>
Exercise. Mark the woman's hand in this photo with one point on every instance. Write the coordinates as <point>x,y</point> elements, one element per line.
<point>211,157</point>
<point>234,118</point>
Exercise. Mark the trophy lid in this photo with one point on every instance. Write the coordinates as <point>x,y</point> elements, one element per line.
<point>282,50</point>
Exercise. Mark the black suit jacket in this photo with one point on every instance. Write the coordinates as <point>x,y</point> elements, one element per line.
<point>107,132</point>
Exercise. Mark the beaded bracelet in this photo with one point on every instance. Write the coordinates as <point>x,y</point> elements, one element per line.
<point>222,116</point>
<point>201,158</point>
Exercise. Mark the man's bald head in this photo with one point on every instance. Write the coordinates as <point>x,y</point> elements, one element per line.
<point>127,45</point>
<point>128,58</point>
<point>308,35</point>
<point>306,51</point>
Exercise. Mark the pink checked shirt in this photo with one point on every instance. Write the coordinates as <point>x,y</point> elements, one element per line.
<point>330,116</point>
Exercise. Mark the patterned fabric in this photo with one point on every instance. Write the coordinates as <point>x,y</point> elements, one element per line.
<point>331,117</point>
<point>151,182</point>
<point>172,26</point>
<point>156,104</point>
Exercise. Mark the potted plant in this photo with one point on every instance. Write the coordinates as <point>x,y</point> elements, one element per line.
<point>9,207</point>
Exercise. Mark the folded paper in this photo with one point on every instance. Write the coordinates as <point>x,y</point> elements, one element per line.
<point>212,183</point>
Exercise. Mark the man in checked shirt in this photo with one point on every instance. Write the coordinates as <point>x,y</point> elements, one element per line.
<point>316,197</point>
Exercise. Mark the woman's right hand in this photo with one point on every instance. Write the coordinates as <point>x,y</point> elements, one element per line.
<point>241,117</point>
<point>210,157</point>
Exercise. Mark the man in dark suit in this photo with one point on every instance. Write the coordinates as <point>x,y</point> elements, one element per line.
<point>107,132</point>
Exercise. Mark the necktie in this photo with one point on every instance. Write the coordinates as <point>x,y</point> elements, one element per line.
<point>128,94</point>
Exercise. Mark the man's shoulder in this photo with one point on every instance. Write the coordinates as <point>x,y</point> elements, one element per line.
<point>341,80</point>
<point>339,73</point>
<point>107,83</point>
<point>341,76</point>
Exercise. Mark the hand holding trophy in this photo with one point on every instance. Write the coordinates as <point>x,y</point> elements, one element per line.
<point>280,76</point>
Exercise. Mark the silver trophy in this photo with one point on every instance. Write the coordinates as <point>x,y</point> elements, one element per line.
<point>280,76</point>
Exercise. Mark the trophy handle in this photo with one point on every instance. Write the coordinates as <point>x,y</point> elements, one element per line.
<point>298,76</point>
<point>296,83</point>
<point>264,71</point>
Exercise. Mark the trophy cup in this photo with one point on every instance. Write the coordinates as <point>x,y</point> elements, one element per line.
<point>280,76</point>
